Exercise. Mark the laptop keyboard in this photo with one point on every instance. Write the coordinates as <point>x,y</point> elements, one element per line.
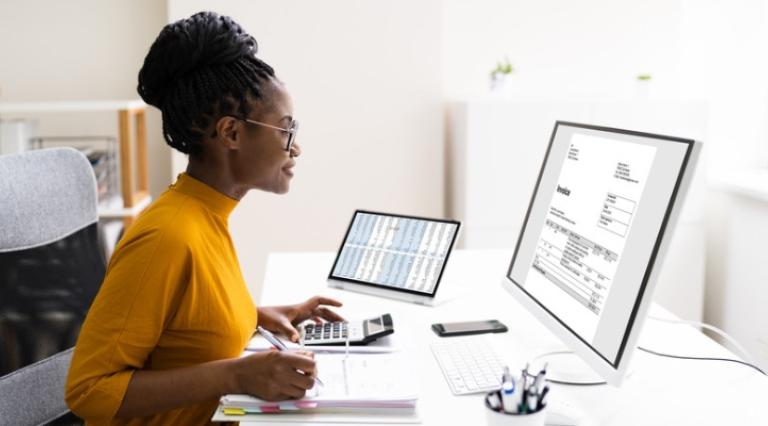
<point>469,365</point>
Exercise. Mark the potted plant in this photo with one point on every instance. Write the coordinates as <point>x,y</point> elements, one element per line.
<point>500,74</point>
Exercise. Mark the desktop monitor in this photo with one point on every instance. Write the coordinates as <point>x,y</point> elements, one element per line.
<point>596,230</point>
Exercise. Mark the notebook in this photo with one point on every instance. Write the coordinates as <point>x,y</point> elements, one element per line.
<point>357,384</point>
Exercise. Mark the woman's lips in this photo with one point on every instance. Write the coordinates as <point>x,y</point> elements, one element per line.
<point>288,169</point>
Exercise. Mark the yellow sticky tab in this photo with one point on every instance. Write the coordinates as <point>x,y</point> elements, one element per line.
<point>234,411</point>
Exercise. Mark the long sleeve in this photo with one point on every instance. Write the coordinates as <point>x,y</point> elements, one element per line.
<point>138,296</point>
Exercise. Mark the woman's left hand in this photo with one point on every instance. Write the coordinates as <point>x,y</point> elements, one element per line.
<point>283,319</point>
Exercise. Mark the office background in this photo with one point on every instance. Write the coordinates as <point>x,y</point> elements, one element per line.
<point>372,83</point>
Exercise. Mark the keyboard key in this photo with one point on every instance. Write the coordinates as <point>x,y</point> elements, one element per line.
<point>468,366</point>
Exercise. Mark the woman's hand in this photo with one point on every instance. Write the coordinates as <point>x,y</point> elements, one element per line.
<point>275,375</point>
<point>283,319</point>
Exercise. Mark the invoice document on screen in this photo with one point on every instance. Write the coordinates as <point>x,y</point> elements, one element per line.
<point>587,223</point>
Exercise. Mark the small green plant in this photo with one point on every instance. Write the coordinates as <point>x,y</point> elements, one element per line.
<point>503,68</point>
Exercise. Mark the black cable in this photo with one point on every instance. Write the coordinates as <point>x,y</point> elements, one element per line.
<point>652,352</point>
<point>702,359</point>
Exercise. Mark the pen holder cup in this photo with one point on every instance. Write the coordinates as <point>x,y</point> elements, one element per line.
<point>500,418</point>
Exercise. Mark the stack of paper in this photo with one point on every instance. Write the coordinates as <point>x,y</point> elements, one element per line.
<point>358,382</point>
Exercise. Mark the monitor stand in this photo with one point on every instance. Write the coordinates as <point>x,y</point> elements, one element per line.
<point>565,366</point>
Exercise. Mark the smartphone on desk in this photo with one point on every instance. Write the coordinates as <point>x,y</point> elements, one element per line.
<point>446,329</point>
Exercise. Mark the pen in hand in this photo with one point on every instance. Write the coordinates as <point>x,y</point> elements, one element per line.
<point>280,346</point>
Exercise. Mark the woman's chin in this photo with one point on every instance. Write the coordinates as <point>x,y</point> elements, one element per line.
<point>282,187</point>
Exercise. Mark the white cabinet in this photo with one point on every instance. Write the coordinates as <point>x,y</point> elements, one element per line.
<point>495,151</point>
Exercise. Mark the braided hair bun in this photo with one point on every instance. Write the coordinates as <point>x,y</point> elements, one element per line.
<point>197,70</point>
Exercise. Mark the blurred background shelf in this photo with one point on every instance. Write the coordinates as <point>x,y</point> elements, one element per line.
<point>119,160</point>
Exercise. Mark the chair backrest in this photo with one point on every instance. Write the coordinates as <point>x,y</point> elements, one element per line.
<point>34,395</point>
<point>51,266</point>
<point>45,195</point>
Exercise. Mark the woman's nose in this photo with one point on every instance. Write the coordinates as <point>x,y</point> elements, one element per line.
<point>295,150</point>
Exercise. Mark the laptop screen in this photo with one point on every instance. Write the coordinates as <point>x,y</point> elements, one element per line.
<point>401,253</point>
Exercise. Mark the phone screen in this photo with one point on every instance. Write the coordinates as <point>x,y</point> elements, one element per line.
<point>458,327</point>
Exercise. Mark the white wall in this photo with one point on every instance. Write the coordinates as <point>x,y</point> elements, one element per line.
<point>559,48</point>
<point>81,50</point>
<point>365,78</point>
<point>706,50</point>
<point>737,296</point>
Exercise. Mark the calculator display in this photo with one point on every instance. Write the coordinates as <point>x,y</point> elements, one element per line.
<point>375,326</point>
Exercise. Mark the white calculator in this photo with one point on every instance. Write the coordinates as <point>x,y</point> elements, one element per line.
<point>359,332</point>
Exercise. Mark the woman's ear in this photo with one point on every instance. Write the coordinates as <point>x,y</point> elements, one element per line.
<point>229,132</point>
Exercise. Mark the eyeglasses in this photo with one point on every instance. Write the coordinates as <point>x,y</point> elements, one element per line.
<point>292,129</point>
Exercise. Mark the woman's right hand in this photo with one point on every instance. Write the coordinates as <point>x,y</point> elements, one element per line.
<point>274,375</point>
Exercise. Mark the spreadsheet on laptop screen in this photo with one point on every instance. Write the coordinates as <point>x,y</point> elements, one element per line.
<point>399,252</point>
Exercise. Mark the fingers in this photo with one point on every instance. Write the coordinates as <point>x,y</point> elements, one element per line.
<point>327,314</point>
<point>302,378</point>
<point>287,329</point>
<point>288,391</point>
<point>291,332</point>
<point>300,374</point>
<point>322,300</point>
<point>302,381</point>
<point>301,361</point>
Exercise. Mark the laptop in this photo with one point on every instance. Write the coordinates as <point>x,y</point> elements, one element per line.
<point>395,256</point>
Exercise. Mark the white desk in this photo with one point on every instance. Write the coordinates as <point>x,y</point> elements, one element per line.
<point>660,391</point>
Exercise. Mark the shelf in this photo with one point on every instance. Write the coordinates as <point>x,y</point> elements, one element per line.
<point>135,197</point>
<point>113,209</point>
<point>70,106</point>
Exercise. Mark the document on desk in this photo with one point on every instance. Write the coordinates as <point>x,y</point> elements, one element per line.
<point>589,218</point>
<point>385,344</point>
<point>363,383</point>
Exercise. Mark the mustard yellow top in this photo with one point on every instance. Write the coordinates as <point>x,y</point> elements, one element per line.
<point>173,296</point>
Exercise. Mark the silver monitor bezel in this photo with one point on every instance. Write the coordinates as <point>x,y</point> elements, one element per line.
<point>613,373</point>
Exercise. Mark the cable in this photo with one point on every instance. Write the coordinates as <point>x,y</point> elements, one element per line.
<point>744,353</point>
<point>702,359</point>
<point>650,351</point>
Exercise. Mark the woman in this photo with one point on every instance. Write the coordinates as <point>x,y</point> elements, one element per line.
<point>161,341</point>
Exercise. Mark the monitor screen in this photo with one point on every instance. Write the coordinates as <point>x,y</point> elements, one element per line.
<point>402,253</point>
<point>594,226</point>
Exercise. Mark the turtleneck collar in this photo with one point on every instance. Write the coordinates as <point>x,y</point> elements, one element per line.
<point>213,199</point>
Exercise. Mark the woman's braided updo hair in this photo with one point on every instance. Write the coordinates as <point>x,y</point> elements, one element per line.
<point>197,70</point>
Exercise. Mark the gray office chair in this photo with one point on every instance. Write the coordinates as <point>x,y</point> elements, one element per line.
<point>51,265</point>
<point>34,395</point>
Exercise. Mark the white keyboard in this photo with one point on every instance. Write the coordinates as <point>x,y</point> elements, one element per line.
<point>469,365</point>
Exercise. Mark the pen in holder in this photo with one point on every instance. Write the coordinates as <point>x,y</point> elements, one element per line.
<point>520,402</point>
